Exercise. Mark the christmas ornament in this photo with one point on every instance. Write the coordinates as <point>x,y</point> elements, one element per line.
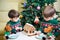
<point>36,21</point>
<point>38,7</point>
<point>24,4</point>
<point>21,16</point>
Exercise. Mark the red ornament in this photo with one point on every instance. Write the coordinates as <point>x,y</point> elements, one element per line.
<point>36,21</point>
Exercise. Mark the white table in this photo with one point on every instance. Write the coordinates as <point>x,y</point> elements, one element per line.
<point>23,36</point>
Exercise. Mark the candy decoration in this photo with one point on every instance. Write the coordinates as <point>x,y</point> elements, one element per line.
<point>36,21</point>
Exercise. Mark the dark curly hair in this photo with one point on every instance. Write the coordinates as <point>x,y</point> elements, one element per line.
<point>13,13</point>
<point>49,11</point>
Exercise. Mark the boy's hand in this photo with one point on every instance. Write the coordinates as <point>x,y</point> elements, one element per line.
<point>17,28</point>
<point>20,28</point>
<point>38,32</point>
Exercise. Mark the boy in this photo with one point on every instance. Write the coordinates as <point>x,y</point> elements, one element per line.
<point>13,25</point>
<point>49,19</point>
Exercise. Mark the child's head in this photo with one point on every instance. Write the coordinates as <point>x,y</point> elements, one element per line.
<point>13,15</point>
<point>48,13</point>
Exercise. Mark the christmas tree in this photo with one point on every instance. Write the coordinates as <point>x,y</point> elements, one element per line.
<point>32,12</point>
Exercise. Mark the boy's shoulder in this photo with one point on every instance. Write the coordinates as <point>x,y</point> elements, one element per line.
<point>50,22</point>
<point>54,21</point>
<point>9,22</point>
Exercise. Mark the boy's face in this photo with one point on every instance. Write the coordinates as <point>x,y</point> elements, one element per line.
<point>14,19</point>
<point>47,19</point>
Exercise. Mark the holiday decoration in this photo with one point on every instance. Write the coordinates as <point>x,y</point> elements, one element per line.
<point>29,29</point>
<point>36,21</point>
<point>24,4</point>
<point>32,14</point>
<point>38,7</point>
<point>21,16</point>
<point>33,8</point>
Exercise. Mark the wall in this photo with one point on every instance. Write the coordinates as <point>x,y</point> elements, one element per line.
<point>5,6</point>
<point>57,7</point>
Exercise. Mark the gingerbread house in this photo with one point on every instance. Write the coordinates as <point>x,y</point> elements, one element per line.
<point>29,29</point>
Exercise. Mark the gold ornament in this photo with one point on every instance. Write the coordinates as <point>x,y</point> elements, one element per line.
<point>21,16</point>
